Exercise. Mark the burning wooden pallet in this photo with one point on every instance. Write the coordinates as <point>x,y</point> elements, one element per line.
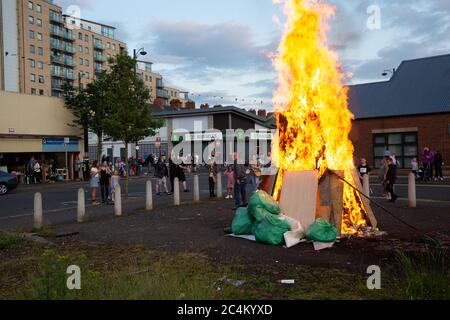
<point>305,197</point>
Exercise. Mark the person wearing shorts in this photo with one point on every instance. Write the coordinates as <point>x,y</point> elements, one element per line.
<point>162,174</point>
<point>95,176</point>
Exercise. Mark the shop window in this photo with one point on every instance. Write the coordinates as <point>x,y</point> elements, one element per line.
<point>403,145</point>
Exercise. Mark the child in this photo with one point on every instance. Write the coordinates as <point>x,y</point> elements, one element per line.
<point>115,180</point>
<point>230,182</point>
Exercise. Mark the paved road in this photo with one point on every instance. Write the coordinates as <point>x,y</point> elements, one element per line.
<point>59,201</point>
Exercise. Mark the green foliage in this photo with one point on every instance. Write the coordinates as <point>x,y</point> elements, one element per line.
<point>130,119</point>
<point>9,241</point>
<point>425,275</point>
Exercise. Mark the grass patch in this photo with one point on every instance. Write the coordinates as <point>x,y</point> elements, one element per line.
<point>425,275</point>
<point>10,241</point>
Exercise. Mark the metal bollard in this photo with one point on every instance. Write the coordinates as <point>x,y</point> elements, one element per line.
<point>219,186</point>
<point>176,192</point>
<point>81,211</point>
<point>118,201</point>
<point>196,189</point>
<point>149,198</point>
<point>366,185</point>
<point>38,219</point>
<point>412,195</point>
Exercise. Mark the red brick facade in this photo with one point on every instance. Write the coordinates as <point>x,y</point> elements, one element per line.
<point>432,130</point>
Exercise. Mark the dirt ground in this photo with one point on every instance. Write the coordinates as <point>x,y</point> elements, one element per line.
<point>200,229</point>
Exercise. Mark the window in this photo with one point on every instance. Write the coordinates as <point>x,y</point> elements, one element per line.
<point>87,75</point>
<point>80,49</point>
<point>41,79</point>
<point>31,19</point>
<point>39,36</point>
<point>33,91</point>
<point>32,77</point>
<point>39,22</point>
<point>403,145</point>
<point>40,51</point>
<point>86,38</point>
<point>80,62</point>
<point>41,92</point>
<point>31,34</point>
<point>114,47</point>
<point>32,63</point>
<point>80,36</point>
<point>30,5</point>
<point>108,45</point>
<point>86,63</point>
<point>38,8</point>
<point>40,65</point>
<point>86,50</point>
<point>32,48</point>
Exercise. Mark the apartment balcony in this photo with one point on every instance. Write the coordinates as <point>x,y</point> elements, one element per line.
<point>99,46</point>
<point>159,83</point>
<point>98,68</point>
<point>63,74</point>
<point>62,33</point>
<point>99,58</point>
<point>162,94</point>
<point>58,85</point>
<point>63,61</point>
<point>62,47</point>
<point>58,18</point>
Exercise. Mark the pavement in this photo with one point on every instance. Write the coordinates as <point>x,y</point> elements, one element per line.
<point>60,200</point>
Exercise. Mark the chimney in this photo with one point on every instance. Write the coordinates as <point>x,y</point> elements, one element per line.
<point>262,113</point>
<point>252,111</point>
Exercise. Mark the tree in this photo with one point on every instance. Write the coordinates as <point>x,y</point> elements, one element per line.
<point>130,119</point>
<point>90,106</point>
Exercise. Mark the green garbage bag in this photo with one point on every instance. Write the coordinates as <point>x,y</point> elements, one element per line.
<point>261,204</point>
<point>271,230</point>
<point>242,223</point>
<point>322,231</point>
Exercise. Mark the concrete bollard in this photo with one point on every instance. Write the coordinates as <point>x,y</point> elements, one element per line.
<point>366,185</point>
<point>219,186</point>
<point>81,211</point>
<point>118,201</point>
<point>176,192</point>
<point>38,219</point>
<point>149,197</point>
<point>412,196</point>
<point>196,189</point>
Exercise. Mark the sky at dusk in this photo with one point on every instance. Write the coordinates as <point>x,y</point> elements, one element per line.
<point>220,49</point>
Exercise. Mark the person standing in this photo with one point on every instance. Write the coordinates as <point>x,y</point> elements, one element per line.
<point>391,178</point>
<point>37,172</point>
<point>94,182</point>
<point>363,169</point>
<point>255,172</point>
<point>212,171</point>
<point>115,180</point>
<point>415,167</point>
<point>105,176</point>
<point>162,174</point>
<point>240,182</point>
<point>230,182</point>
<point>428,161</point>
<point>438,164</point>
<point>384,167</point>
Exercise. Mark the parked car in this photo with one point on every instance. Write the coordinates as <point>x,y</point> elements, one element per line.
<point>8,182</point>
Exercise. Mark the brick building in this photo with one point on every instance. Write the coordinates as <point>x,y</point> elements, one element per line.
<point>404,115</point>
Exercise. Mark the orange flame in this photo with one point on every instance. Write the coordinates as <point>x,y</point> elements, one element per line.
<point>313,118</point>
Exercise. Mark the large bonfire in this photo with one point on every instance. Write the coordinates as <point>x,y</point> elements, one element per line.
<point>313,118</point>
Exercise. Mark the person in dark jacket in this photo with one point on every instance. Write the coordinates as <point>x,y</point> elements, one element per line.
<point>438,164</point>
<point>162,174</point>
<point>391,179</point>
<point>240,182</point>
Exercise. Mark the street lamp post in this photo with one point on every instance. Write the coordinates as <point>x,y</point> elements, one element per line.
<point>136,54</point>
<point>86,132</point>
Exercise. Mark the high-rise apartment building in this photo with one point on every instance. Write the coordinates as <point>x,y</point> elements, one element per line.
<point>42,49</point>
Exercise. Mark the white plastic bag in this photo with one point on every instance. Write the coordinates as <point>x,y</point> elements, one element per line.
<point>297,233</point>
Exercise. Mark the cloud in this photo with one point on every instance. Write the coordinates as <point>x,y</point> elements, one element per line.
<point>82,4</point>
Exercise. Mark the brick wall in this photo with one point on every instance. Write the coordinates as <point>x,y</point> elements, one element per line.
<point>433,132</point>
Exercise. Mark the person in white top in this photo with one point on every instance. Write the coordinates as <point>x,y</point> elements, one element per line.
<point>94,182</point>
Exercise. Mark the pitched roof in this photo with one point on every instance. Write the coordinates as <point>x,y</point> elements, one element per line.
<point>171,112</point>
<point>420,86</point>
